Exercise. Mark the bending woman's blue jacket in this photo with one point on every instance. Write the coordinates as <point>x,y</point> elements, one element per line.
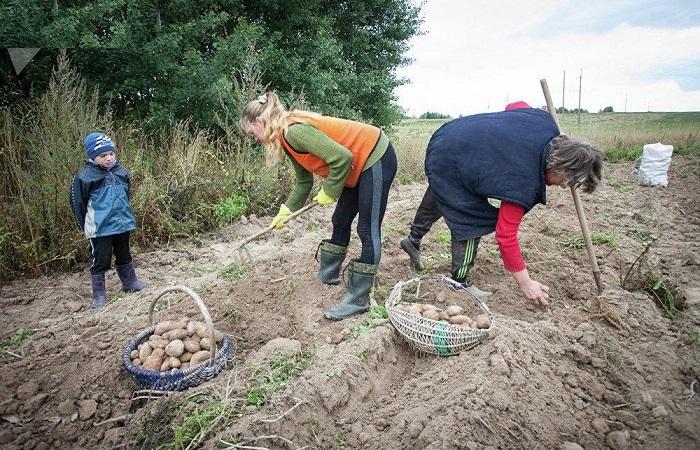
<point>99,199</point>
<point>499,155</point>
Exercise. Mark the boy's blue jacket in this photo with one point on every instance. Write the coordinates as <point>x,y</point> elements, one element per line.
<point>499,155</point>
<point>99,199</point>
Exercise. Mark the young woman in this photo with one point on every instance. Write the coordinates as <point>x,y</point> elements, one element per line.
<point>358,164</point>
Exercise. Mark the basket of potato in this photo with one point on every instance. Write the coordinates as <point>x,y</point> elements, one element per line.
<point>439,331</point>
<point>173,355</point>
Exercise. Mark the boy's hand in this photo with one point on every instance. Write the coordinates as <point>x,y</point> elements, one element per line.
<point>323,199</point>
<point>277,222</point>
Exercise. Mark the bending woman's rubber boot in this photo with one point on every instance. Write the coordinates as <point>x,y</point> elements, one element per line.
<point>356,299</point>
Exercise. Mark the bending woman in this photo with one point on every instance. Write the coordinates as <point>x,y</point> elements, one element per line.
<point>358,164</point>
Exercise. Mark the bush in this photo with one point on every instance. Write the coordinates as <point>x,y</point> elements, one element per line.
<point>231,208</point>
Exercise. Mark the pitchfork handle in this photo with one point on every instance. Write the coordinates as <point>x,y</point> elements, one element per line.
<point>296,213</point>
<point>577,201</point>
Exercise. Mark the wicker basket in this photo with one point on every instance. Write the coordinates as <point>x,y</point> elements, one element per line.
<point>176,379</point>
<point>432,336</point>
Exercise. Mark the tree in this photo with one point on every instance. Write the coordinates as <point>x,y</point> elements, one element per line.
<point>607,109</point>
<point>157,61</point>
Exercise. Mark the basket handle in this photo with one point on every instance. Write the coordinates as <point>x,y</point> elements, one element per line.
<point>202,308</point>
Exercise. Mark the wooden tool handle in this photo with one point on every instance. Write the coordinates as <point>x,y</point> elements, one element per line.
<point>577,200</point>
<point>296,213</point>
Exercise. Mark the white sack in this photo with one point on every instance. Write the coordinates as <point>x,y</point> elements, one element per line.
<point>653,168</point>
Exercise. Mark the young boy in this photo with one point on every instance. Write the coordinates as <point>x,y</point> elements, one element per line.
<point>99,198</point>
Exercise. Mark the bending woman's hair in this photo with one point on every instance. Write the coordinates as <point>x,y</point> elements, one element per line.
<point>580,163</point>
<point>275,120</point>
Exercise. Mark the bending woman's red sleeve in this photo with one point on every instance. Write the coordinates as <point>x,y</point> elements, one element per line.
<point>509,217</point>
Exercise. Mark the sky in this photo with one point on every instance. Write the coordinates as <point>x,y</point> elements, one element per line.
<point>477,55</point>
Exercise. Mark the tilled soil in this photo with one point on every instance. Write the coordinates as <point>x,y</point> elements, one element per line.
<point>591,371</point>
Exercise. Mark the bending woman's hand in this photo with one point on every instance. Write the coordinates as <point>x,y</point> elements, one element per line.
<point>535,291</point>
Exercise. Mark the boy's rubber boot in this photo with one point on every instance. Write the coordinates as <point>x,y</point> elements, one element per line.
<point>413,253</point>
<point>332,257</point>
<point>127,275</point>
<point>356,299</point>
<point>99,297</point>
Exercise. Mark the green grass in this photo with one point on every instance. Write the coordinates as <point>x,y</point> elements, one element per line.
<point>197,422</point>
<point>21,335</point>
<point>612,240</point>
<point>375,312</point>
<point>235,271</point>
<point>443,237</point>
<point>264,383</point>
<point>664,296</point>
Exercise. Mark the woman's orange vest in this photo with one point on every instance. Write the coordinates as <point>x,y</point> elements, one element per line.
<point>357,137</point>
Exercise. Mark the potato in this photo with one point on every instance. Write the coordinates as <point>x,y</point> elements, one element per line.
<point>190,328</point>
<point>482,321</point>
<point>134,354</point>
<point>199,357</point>
<point>177,333</point>
<point>136,362</point>
<point>173,362</point>
<point>155,337</point>
<point>427,307</point>
<point>454,310</point>
<point>159,352</point>
<point>201,330</point>
<point>218,336</point>
<point>184,366</point>
<point>186,357</point>
<point>459,320</point>
<point>145,351</point>
<point>195,338</point>
<point>431,314</point>
<point>159,343</point>
<point>415,309</point>
<point>164,326</point>
<point>175,348</point>
<point>444,316</point>
<point>153,362</point>
<point>180,324</point>
<point>191,346</point>
<point>204,343</point>
<point>165,366</point>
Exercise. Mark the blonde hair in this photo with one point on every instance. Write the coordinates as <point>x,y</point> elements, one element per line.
<point>275,120</point>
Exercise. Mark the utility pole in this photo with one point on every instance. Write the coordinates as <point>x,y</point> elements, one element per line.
<point>563,90</point>
<point>578,120</point>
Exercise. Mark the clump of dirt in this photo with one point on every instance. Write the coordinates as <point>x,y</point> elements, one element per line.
<point>591,371</point>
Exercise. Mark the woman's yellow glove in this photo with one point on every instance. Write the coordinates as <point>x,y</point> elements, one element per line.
<point>323,199</point>
<point>284,212</point>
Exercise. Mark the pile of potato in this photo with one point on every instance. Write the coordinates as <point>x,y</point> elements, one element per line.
<point>175,344</point>
<point>453,315</point>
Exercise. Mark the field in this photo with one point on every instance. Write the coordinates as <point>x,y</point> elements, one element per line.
<point>618,370</point>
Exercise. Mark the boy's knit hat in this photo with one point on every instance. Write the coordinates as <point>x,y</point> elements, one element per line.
<point>97,143</point>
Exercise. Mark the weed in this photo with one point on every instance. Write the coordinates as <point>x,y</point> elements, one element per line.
<point>575,241</point>
<point>200,287</point>
<point>394,228</point>
<point>380,293</point>
<point>265,383</point>
<point>313,228</point>
<point>640,234</point>
<point>234,271</point>
<point>198,420</point>
<point>361,356</point>
<point>375,312</point>
<point>116,298</point>
<point>443,237</point>
<point>21,334</point>
<point>664,297</point>
<point>444,257</point>
<point>612,353</point>
<point>289,286</point>
<point>230,209</point>
<point>612,240</point>
<point>620,186</point>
